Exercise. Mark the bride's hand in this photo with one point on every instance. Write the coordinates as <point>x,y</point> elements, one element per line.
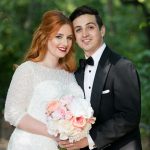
<point>75,145</point>
<point>55,138</point>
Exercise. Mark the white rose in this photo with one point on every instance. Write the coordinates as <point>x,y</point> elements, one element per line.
<point>81,107</point>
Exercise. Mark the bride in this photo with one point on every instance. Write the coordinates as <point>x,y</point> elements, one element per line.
<point>45,75</point>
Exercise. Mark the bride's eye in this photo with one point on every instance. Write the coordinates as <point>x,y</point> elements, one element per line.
<point>70,38</point>
<point>58,36</point>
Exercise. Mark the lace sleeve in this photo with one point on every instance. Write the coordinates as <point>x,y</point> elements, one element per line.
<point>19,94</point>
<point>73,87</point>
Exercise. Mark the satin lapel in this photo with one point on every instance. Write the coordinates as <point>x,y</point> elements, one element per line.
<point>99,80</point>
<point>79,74</point>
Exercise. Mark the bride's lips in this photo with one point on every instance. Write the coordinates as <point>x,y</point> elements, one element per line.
<point>62,49</point>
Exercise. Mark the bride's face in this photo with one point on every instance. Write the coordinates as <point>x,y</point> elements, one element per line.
<point>60,45</point>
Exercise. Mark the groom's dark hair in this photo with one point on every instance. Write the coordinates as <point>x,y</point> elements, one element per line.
<point>82,10</point>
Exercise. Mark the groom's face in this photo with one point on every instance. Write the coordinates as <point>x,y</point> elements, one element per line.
<point>88,35</point>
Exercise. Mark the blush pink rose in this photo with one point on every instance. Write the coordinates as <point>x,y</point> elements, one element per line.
<point>79,122</point>
<point>91,120</point>
<point>52,106</point>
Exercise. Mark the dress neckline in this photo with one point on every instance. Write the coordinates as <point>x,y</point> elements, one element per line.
<point>45,67</point>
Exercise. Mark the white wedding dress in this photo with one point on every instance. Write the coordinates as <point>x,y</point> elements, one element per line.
<point>31,88</point>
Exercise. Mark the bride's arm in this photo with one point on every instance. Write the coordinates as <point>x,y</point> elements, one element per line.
<point>18,100</point>
<point>32,125</point>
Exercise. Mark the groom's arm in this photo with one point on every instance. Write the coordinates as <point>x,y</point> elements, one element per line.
<point>127,107</point>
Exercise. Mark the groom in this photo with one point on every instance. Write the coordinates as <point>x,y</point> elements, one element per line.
<point>110,82</point>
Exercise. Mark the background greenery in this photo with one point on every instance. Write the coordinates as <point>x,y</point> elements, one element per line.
<point>127,32</point>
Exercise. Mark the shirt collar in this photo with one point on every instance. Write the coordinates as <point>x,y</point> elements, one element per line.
<point>97,55</point>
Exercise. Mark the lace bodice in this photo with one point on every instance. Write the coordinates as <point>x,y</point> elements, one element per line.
<point>33,85</point>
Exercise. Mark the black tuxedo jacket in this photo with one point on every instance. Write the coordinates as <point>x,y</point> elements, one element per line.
<point>116,101</point>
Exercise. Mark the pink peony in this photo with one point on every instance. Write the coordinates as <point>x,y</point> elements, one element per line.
<point>66,100</point>
<point>62,112</point>
<point>68,115</point>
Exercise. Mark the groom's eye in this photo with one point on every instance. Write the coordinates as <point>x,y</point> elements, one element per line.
<point>78,30</point>
<point>90,27</point>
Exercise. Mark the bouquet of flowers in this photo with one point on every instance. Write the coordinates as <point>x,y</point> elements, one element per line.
<point>69,118</point>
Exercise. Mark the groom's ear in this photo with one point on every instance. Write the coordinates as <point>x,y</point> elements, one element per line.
<point>102,31</point>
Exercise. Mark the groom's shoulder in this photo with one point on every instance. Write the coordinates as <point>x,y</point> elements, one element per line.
<point>117,58</point>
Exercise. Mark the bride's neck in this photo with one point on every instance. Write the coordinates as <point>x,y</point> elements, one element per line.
<point>50,62</point>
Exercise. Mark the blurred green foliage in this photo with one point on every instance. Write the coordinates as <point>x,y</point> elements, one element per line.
<point>125,32</point>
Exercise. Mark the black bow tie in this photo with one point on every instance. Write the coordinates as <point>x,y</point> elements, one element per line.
<point>84,62</point>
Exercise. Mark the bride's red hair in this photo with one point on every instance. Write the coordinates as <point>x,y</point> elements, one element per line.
<point>51,23</point>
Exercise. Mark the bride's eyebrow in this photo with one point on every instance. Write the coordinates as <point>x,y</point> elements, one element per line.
<point>71,35</point>
<point>59,34</point>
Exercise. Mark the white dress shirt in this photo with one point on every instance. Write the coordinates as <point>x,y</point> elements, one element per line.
<point>90,71</point>
<point>89,75</point>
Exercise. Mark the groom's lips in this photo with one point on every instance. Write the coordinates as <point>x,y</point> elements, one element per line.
<point>86,41</point>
